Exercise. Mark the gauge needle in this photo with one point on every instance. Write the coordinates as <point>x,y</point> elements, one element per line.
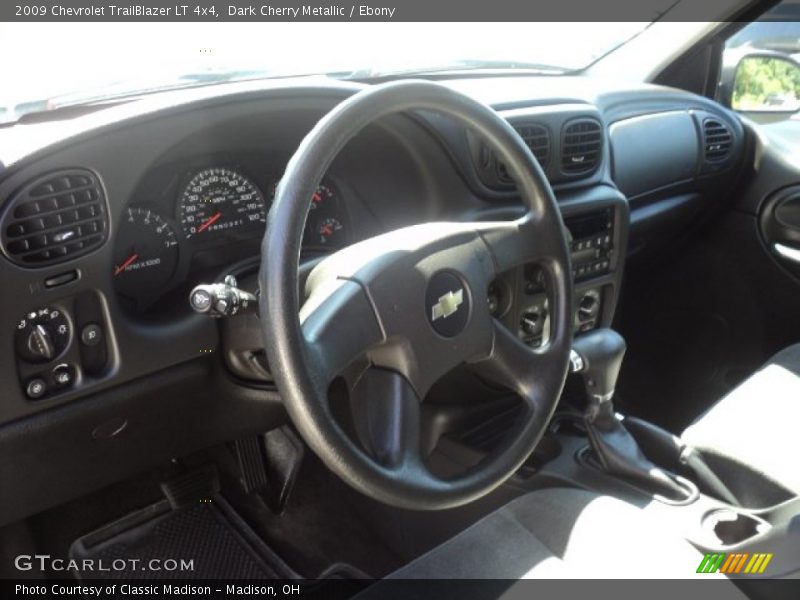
<point>316,198</point>
<point>327,230</point>
<point>209,222</point>
<point>128,261</point>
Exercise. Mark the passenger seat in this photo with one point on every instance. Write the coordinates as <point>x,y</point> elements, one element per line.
<point>751,438</point>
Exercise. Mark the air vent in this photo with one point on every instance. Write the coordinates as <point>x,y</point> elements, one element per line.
<point>537,138</point>
<point>581,145</point>
<point>55,218</point>
<point>717,140</point>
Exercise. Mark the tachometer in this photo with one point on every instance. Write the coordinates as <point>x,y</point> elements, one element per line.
<point>219,200</point>
<point>145,254</point>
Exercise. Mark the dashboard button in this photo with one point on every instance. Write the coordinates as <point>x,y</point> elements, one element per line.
<point>61,279</point>
<point>36,388</point>
<point>91,334</point>
<point>63,375</point>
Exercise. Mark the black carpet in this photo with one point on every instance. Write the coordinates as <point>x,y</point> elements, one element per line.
<point>324,524</point>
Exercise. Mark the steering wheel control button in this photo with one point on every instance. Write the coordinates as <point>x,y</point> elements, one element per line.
<point>63,375</point>
<point>36,388</point>
<point>91,334</point>
<point>447,304</point>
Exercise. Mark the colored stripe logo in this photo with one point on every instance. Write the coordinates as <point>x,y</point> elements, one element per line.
<point>735,563</point>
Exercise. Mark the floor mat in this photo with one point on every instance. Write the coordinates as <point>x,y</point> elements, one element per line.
<point>210,534</point>
<point>325,522</point>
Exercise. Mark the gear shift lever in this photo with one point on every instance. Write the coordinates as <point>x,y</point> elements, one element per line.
<point>601,353</point>
<point>597,356</point>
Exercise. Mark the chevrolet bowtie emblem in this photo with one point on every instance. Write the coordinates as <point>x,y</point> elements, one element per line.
<point>447,305</point>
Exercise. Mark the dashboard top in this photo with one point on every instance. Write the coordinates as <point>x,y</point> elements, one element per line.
<point>502,93</point>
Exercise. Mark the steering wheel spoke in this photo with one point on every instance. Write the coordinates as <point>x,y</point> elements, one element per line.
<point>338,325</point>
<point>387,417</point>
<point>515,365</point>
<point>515,243</point>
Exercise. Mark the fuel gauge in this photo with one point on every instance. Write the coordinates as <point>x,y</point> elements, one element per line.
<point>329,232</point>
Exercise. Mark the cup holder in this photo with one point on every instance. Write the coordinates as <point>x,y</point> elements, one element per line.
<point>729,527</point>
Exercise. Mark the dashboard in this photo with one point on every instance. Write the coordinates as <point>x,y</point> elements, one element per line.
<point>109,219</point>
<point>188,219</point>
<point>110,229</point>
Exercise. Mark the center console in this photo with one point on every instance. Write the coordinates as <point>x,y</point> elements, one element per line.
<point>736,536</point>
<point>639,462</point>
<point>597,237</point>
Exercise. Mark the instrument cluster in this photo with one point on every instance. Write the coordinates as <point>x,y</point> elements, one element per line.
<point>216,214</point>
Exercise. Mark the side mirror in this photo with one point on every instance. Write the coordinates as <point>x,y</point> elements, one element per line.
<point>767,82</point>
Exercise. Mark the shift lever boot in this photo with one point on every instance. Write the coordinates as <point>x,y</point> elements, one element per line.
<point>620,455</point>
<point>597,356</point>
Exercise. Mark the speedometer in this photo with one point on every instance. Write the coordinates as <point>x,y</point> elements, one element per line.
<point>220,200</point>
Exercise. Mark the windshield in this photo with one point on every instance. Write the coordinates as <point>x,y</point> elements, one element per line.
<point>53,65</point>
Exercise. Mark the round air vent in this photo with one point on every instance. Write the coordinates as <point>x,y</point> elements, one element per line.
<point>55,218</point>
<point>717,140</point>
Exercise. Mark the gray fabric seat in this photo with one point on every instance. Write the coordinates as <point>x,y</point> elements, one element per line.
<point>750,437</point>
<point>560,533</point>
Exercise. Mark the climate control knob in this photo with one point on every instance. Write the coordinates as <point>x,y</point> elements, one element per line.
<point>589,306</point>
<point>531,323</point>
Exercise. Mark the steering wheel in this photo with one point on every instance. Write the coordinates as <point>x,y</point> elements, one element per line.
<point>411,303</point>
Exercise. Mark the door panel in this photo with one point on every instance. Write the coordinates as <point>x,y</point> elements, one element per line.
<point>780,228</point>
